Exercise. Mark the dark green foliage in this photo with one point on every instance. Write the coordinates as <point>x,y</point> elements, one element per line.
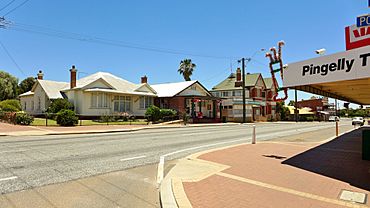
<point>26,85</point>
<point>10,105</point>
<point>23,119</point>
<point>186,69</point>
<point>66,118</point>
<point>8,86</point>
<point>168,114</point>
<point>153,113</point>
<point>60,104</point>
<point>282,111</point>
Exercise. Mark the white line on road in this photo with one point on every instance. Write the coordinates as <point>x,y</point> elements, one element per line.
<point>132,158</point>
<point>9,178</point>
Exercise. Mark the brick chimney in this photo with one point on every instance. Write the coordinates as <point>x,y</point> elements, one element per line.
<point>238,81</point>
<point>40,75</point>
<point>144,79</point>
<point>73,81</point>
<point>238,75</point>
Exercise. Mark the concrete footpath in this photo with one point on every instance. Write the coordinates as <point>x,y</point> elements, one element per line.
<point>284,174</point>
<point>18,130</point>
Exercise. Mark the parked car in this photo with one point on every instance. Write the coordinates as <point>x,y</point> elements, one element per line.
<point>358,121</point>
<point>333,118</point>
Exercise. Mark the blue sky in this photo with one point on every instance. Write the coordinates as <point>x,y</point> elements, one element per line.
<point>226,29</point>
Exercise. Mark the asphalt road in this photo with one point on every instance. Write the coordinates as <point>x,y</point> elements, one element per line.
<point>28,162</point>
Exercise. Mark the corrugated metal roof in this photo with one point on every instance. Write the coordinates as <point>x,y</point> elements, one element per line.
<point>229,83</point>
<point>117,84</point>
<point>53,88</point>
<point>171,89</point>
<point>26,94</point>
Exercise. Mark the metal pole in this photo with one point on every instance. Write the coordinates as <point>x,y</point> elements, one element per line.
<point>336,129</point>
<point>336,108</point>
<point>243,88</point>
<point>254,134</point>
<point>295,105</point>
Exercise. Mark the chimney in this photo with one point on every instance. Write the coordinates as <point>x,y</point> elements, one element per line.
<point>238,75</point>
<point>40,75</point>
<point>238,81</point>
<point>144,79</point>
<point>73,76</point>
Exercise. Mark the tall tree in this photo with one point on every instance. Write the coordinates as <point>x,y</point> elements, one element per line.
<point>26,85</point>
<point>8,86</point>
<point>186,69</point>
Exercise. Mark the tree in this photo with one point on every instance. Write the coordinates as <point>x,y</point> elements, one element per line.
<point>186,69</point>
<point>291,103</point>
<point>60,104</point>
<point>26,85</point>
<point>8,86</point>
<point>282,110</point>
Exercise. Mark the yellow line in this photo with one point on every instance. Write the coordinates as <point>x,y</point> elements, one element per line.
<point>291,191</point>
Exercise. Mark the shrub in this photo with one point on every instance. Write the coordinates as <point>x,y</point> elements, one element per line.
<point>60,104</point>
<point>153,113</point>
<point>10,105</point>
<point>66,118</point>
<point>22,118</point>
<point>168,114</point>
<point>107,118</point>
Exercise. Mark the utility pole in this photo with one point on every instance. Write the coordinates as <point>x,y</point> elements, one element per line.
<point>296,111</point>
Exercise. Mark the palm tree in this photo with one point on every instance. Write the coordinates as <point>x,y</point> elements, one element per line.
<point>186,69</point>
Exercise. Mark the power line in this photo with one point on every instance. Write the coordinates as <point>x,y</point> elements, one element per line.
<point>24,2</point>
<point>13,60</point>
<point>8,4</point>
<point>104,41</point>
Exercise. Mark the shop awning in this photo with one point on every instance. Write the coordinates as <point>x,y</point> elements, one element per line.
<point>344,76</point>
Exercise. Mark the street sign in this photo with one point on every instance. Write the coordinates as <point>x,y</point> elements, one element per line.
<point>363,20</point>
<point>357,37</point>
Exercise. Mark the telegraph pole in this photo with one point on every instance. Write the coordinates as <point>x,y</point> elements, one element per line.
<point>243,86</point>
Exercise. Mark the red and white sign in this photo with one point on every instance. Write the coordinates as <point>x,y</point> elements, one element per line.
<point>357,37</point>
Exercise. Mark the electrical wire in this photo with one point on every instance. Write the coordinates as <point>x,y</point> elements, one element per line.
<point>8,4</point>
<point>91,39</point>
<point>24,2</point>
<point>13,60</point>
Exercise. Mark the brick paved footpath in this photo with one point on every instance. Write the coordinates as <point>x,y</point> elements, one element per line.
<point>273,175</point>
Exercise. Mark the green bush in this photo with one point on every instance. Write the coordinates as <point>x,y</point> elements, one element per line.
<point>107,118</point>
<point>59,104</point>
<point>22,118</point>
<point>168,114</point>
<point>310,118</point>
<point>153,113</point>
<point>10,105</point>
<point>66,118</point>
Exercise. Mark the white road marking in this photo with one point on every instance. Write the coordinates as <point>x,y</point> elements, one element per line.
<point>132,158</point>
<point>9,178</point>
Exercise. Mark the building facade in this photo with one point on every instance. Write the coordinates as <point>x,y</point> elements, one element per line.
<point>259,103</point>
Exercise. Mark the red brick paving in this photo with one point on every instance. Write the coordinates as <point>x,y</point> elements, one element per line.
<point>322,170</point>
<point>5,127</point>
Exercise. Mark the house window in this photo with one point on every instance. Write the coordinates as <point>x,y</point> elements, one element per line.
<point>99,100</point>
<point>225,94</point>
<point>237,93</point>
<point>122,104</point>
<point>263,94</point>
<point>32,105</point>
<point>216,94</point>
<point>25,106</point>
<point>145,102</point>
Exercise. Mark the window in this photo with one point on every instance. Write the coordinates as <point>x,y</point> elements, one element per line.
<point>99,100</point>
<point>216,94</point>
<point>225,94</point>
<point>38,103</point>
<point>32,105</point>
<point>263,94</point>
<point>145,102</point>
<point>237,93</point>
<point>122,103</point>
<point>25,106</point>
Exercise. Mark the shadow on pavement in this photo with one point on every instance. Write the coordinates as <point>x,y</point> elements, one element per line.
<point>340,159</point>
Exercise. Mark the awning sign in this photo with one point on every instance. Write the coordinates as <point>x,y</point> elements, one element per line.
<point>353,64</point>
<point>357,37</point>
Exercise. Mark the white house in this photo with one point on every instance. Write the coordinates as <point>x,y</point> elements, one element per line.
<point>95,95</point>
